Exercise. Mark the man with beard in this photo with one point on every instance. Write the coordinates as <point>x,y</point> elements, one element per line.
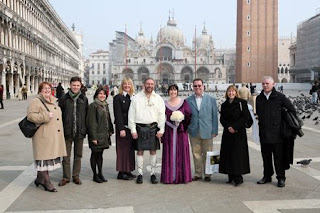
<point>146,121</point>
<point>74,107</point>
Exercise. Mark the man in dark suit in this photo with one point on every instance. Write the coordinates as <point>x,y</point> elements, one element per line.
<point>203,127</point>
<point>269,104</point>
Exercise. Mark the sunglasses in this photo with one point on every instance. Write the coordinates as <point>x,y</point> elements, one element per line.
<point>197,85</point>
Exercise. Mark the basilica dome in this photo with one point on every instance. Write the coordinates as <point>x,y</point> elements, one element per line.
<point>141,40</point>
<point>172,33</point>
<point>204,40</point>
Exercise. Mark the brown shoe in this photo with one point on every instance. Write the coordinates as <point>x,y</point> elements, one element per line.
<point>64,181</point>
<point>195,178</point>
<point>207,179</point>
<point>77,181</point>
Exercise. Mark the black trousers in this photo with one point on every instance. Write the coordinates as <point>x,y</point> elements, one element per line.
<point>267,150</point>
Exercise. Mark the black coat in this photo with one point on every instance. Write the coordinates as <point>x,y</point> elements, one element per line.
<point>59,91</point>
<point>234,154</point>
<point>121,106</point>
<point>269,115</point>
<point>100,127</point>
<point>66,105</point>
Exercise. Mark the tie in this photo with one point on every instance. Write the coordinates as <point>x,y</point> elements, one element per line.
<point>128,96</point>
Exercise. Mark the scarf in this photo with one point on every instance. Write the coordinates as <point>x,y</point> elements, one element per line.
<point>75,99</point>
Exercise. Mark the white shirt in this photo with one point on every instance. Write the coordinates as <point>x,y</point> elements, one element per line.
<point>199,100</point>
<point>267,95</point>
<point>146,111</point>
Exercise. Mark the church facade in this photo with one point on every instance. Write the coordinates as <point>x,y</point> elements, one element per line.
<point>168,59</point>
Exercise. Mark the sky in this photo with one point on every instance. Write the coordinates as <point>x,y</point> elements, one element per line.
<point>98,20</point>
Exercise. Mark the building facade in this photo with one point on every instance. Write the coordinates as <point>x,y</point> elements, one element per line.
<point>35,46</point>
<point>257,40</point>
<point>284,59</point>
<point>99,66</point>
<point>305,52</point>
<point>168,59</point>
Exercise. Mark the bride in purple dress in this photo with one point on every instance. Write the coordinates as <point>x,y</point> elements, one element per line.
<point>175,153</point>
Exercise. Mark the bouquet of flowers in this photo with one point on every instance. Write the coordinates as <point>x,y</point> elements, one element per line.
<point>177,117</point>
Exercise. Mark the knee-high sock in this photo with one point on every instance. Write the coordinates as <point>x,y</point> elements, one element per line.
<point>153,163</point>
<point>140,164</point>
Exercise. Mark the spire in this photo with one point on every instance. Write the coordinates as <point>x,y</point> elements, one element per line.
<point>204,31</point>
<point>140,32</point>
<point>73,27</point>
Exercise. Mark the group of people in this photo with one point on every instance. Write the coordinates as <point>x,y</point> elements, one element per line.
<point>143,121</point>
<point>315,92</point>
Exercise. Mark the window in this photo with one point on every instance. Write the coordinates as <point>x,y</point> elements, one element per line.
<point>248,1</point>
<point>248,33</point>
<point>248,17</point>
<point>248,48</point>
<point>98,67</point>
<point>92,82</point>
<point>104,66</point>
<point>92,72</point>
<point>248,64</point>
<point>92,66</point>
<point>104,72</point>
<point>98,72</point>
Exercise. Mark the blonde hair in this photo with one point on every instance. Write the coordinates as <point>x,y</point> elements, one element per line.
<point>124,81</point>
<point>231,87</point>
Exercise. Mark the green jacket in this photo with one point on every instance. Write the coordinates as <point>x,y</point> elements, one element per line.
<point>99,126</point>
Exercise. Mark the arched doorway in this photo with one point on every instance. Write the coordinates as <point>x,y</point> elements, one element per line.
<point>203,73</point>
<point>127,73</point>
<point>186,75</point>
<point>284,80</point>
<point>143,74</point>
<point>166,73</point>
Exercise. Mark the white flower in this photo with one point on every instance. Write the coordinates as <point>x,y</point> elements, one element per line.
<point>177,116</point>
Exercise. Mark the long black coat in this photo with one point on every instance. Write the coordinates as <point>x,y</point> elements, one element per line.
<point>269,115</point>
<point>234,154</point>
<point>121,106</point>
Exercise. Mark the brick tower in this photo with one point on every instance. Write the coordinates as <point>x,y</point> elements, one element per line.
<point>257,40</point>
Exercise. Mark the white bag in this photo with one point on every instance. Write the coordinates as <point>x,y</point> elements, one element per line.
<point>212,163</point>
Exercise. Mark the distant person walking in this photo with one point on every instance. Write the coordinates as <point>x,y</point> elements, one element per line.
<point>1,96</point>
<point>244,92</point>
<point>24,92</point>
<point>314,92</point>
<point>59,91</point>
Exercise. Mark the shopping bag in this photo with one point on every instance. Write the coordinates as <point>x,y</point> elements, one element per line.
<point>212,163</point>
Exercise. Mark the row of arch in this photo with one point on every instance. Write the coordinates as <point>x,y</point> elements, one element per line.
<point>165,74</point>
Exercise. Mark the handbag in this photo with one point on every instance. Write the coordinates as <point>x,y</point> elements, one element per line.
<point>213,161</point>
<point>29,128</point>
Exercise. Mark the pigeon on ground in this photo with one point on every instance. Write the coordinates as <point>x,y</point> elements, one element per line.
<point>303,117</point>
<point>316,123</point>
<point>316,118</point>
<point>304,162</point>
<point>308,116</point>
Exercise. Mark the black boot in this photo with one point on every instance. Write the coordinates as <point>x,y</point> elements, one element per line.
<point>97,179</point>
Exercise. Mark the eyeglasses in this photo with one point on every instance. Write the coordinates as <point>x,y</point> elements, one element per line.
<point>197,85</point>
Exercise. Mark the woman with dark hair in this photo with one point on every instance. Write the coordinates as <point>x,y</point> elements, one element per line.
<point>100,128</point>
<point>48,142</point>
<point>234,153</point>
<point>124,142</point>
<point>176,155</point>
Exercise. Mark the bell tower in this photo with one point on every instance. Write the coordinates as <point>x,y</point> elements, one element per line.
<point>257,40</point>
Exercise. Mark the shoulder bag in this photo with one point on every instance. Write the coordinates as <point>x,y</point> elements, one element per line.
<point>29,128</point>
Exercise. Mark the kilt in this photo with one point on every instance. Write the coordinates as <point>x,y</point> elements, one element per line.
<point>147,139</point>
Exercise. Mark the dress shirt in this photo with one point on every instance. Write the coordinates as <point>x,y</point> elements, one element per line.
<point>199,100</point>
<point>146,110</point>
<point>267,95</point>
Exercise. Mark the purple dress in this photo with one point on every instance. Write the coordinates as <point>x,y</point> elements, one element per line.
<point>175,154</point>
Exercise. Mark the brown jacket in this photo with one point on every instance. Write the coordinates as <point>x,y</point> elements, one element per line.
<point>48,142</point>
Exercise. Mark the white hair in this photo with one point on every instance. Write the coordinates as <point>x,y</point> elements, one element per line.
<point>268,78</point>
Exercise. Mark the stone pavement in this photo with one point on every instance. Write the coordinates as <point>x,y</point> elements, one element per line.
<point>19,194</point>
